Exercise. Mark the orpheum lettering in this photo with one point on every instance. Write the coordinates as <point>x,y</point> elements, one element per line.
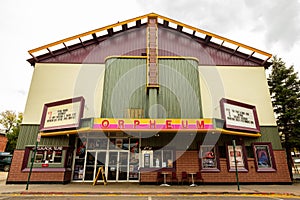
<point>153,124</point>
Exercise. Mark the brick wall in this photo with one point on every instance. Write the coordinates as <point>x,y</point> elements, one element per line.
<point>3,142</point>
<point>16,175</point>
<point>188,161</point>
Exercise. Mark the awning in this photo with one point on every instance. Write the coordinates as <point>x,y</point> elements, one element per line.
<point>92,130</point>
<point>205,125</point>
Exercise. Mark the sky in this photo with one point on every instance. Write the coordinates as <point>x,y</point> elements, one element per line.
<point>269,25</point>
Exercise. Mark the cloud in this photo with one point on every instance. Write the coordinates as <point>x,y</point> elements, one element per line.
<point>280,19</point>
<point>22,92</point>
<point>277,20</point>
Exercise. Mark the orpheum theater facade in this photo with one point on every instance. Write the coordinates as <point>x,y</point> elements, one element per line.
<point>144,97</point>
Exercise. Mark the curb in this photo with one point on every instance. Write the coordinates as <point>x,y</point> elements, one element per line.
<point>158,193</point>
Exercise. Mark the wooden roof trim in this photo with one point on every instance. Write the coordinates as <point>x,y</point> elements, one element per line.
<point>165,22</point>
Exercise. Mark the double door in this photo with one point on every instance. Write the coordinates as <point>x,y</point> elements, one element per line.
<point>94,160</point>
<point>117,167</point>
<point>115,163</point>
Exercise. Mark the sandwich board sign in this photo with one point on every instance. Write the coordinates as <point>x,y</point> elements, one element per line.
<point>102,172</point>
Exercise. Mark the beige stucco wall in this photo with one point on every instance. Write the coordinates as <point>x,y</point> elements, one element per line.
<point>243,84</point>
<point>54,82</point>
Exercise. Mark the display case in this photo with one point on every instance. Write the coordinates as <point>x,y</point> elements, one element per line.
<point>209,158</point>
<point>237,160</point>
<point>264,157</point>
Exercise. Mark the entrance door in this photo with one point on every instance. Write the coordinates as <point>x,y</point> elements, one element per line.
<point>94,160</point>
<point>117,169</point>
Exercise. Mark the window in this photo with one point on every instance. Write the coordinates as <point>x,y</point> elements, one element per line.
<point>163,158</point>
<point>264,157</point>
<point>48,155</point>
<point>119,143</point>
<point>134,159</point>
<point>208,157</point>
<point>97,143</point>
<point>134,113</point>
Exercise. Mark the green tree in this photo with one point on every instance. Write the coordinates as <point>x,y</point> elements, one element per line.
<point>285,93</point>
<point>11,122</point>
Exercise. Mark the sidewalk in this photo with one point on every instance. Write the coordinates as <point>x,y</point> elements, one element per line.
<point>136,189</point>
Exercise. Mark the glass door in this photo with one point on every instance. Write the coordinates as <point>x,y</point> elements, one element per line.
<point>112,165</point>
<point>117,169</point>
<point>100,162</point>
<point>94,160</point>
<point>90,166</point>
<point>123,165</point>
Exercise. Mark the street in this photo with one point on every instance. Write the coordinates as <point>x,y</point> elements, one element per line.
<point>146,197</point>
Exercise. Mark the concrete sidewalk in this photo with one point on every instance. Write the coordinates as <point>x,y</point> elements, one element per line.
<point>136,189</point>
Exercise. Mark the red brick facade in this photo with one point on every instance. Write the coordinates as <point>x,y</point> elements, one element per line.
<point>188,161</point>
<point>3,142</point>
<point>17,175</point>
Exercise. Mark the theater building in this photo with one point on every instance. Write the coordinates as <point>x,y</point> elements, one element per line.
<point>148,95</point>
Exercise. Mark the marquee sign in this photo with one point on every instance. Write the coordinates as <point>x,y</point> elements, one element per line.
<point>62,114</point>
<point>153,124</point>
<point>239,115</point>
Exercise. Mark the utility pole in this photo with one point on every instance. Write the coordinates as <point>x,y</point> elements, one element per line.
<point>38,139</point>
<point>235,164</point>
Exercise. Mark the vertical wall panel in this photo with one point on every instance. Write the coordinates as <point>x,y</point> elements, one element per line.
<point>124,87</point>
<point>28,135</point>
<point>179,92</point>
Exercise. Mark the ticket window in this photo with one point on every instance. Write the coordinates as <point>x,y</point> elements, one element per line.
<point>147,160</point>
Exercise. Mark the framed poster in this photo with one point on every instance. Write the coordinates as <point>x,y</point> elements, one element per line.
<point>264,158</point>
<point>209,160</point>
<point>241,161</point>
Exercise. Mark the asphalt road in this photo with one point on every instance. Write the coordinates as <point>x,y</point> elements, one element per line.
<point>158,197</point>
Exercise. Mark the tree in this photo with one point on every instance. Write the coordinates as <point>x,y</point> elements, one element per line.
<point>11,122</point>
<point>285,93</point>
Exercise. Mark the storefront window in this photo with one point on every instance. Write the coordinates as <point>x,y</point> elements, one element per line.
<point>208,157</point>
<point>264,157</point>
<point>119,143</point>
<point>48,155</point>
<point>97,143</point>
<point>163,158</point>
<point>79,158</point>
<point>81,147</point>
<point>134,159</point>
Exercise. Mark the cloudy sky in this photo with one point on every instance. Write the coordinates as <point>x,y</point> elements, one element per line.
<point>269,25</point>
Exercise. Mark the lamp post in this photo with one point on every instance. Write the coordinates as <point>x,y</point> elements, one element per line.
<point>38,139</point>
<point>235,164</point>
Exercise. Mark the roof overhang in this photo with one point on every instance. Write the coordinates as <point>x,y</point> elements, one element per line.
<point>95,36</point>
